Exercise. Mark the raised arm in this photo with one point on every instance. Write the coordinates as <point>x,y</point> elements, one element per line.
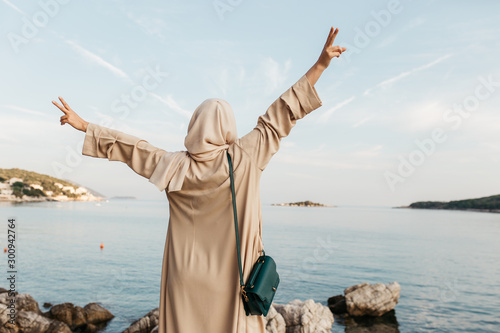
<point>298,101</point>
<point>327,54</point>
<point>103,142</point>
<point>138,154</point>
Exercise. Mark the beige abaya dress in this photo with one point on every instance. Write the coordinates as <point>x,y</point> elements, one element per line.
<point>199,279</point>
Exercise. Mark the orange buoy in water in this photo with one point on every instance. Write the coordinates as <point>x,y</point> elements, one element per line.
<point>102,245</point>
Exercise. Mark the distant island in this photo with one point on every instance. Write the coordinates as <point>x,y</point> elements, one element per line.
<point>485,204</point>
<point>302,204</point>
<point>123,197</point>
<point>18,185</point>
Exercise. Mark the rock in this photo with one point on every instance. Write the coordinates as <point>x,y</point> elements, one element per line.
<point>28,321</point>
<point>155,330</point>
<point>305,317</point>
<point>96,314</point>
<point>24,302</point>
<point>337,304</point>
<point>356,286</point>
<point>274,321</point>
<point>61,318</point>
<point>387,323</point>
<point>146,324</point>
<point>47,305</point>
<point>73,316</point>
<point>88,319</point>
<point>372,300</point>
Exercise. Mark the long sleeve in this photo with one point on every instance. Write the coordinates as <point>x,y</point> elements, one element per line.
<point>138,154</point>
<point>264,140</point>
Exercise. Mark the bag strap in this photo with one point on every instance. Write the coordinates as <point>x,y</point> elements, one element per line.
<point>236,222</point>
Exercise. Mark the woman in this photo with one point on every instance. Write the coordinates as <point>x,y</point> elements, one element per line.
<point>200,289</point>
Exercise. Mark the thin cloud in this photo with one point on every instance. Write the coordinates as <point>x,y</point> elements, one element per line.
<point>321,161</point>
<point>302,175</point>
<point>99,61</point>
<point>151,26</point>
<point>422,116</point>
<point>288,144</point>
<point>371,152</point>
<point>4,139</point>
<point>319,148</point>
<point>416,22</point>
<point>25,110</point>
<point>362,121</point>
<point>327,114</point>
<point>171,103</point>
<point>411,25</point>
<point>275,73</point>
<point>11,5</point>
<point>390,81</point>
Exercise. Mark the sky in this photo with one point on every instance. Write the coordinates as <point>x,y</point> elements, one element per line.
<point>410,111</point>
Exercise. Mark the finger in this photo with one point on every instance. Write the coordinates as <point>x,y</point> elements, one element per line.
<point>64,103</point>
<point>337,48</point>
<point>60,107</point>
<point>334,53</point>
<point>329,38</point>
<point>335,34</point>
<point>64,117</point>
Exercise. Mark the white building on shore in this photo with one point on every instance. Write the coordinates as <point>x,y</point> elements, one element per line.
<point>14,180</point>
<point>70,189</point>
<point>61,198</point>
<point>5,189</point>
<point>81,190</point>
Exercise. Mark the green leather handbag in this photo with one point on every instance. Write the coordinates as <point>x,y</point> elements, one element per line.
<point>258,293</point>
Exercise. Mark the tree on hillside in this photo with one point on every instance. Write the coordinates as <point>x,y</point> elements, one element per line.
<point>18,184</point>
<point>34,192</point>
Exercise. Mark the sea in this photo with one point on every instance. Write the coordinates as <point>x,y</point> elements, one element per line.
<point>446,262</point>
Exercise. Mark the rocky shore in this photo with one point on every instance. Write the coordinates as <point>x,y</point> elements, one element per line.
<point>25,316</point>
<point>362,308</point>
<point>489,204</point>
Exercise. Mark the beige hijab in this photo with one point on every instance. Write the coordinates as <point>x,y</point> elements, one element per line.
<point>210,132</point>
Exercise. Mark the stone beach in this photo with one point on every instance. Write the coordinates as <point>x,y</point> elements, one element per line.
<point>362,308</point>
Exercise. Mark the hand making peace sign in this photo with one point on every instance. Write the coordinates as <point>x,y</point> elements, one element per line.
<point>70,116</point>
<point>330,51</point>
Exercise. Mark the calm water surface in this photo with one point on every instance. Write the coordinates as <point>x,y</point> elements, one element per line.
<point>447,263</point>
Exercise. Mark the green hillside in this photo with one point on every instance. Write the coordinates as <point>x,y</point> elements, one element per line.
<point>491,203</point>
<point>30,177</point>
